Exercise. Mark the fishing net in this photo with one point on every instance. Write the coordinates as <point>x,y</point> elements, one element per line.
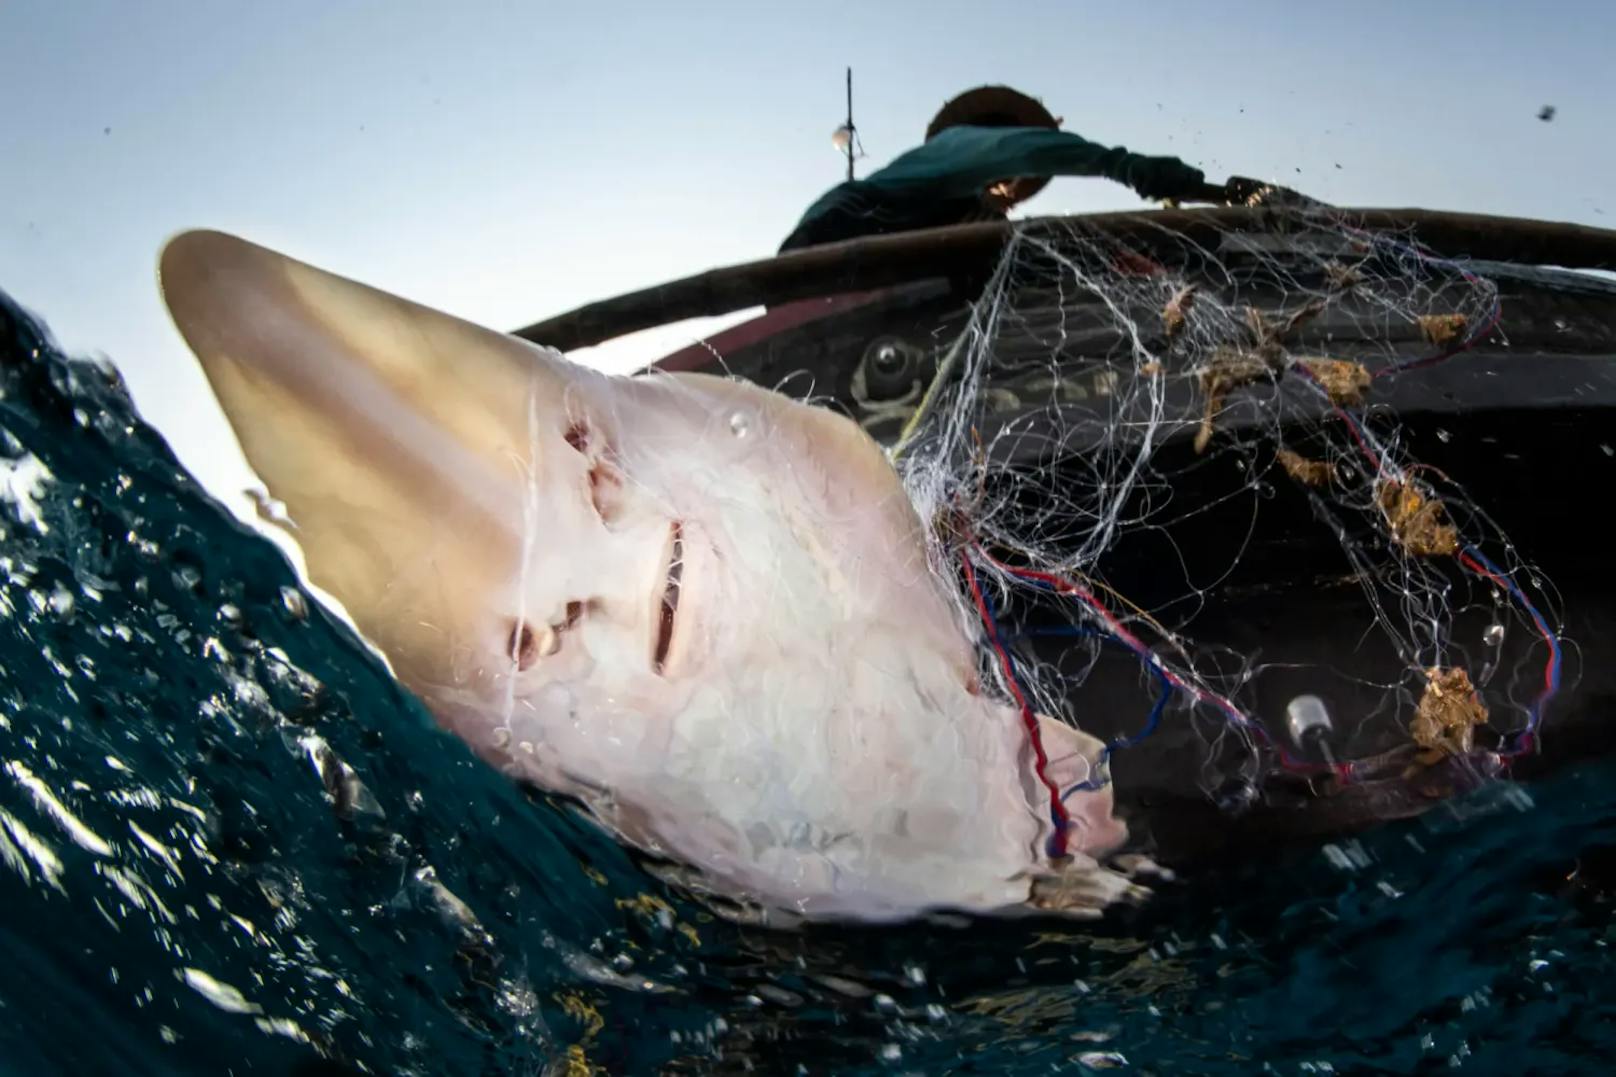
<point>1111,400</point>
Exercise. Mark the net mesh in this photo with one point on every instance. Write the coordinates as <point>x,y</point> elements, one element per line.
<point>1144,366</point>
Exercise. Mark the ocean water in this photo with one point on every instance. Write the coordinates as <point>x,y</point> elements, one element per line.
<point>230,843</point>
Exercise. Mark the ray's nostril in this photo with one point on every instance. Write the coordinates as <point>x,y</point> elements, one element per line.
<point>526,644</point>
<point>523,645</point>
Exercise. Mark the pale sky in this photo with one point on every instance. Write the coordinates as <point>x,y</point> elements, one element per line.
<point>506,162</point>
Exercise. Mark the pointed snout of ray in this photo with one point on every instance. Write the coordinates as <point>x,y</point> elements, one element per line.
<point>312,368</point>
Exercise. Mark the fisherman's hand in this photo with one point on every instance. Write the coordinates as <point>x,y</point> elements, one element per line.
<point>1212,193</point>
<point>1244,191</point>
<point>1166,178</point>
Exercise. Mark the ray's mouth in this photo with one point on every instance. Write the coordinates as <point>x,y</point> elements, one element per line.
<point>669,607</point>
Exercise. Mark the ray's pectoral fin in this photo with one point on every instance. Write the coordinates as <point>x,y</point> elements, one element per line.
<point>1079,885</point>
<point>1074,767</point>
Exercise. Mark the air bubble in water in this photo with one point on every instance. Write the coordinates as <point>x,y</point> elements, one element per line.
<point>1494,635</point>
<point>1443,436</point>
<point>61,602</point>
<point>1102,1060</point>
<point>739,424</point>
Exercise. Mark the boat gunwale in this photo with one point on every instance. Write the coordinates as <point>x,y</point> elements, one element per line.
<point>959,250</point>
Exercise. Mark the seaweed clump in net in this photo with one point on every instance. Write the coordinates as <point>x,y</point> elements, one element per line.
<point>1142,367</point>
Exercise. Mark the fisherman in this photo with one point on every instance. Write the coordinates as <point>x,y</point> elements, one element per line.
<point>986,151</point>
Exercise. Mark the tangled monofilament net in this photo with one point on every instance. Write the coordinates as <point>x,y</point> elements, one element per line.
<point>1269,349</point>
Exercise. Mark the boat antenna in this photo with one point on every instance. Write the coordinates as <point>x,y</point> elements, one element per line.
<point>852,132</point>
<point>846,136</point>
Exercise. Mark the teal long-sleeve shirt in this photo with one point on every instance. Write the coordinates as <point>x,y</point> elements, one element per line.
<point>943,181</point>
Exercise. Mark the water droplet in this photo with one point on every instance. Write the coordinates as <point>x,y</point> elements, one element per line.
<point>1494,635</point>
<point>556,699</point>
<point>294,603</point>
<point>739,424</point>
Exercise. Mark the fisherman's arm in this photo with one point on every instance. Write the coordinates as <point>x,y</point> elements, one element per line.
<point>1028,152</point>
